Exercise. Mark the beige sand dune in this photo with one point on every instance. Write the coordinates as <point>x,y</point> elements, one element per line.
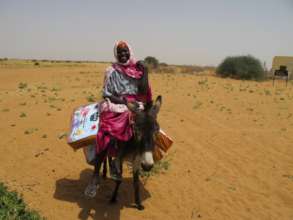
<point>231,158</point>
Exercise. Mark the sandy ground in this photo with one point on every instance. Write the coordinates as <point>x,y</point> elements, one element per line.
<point>232,156</point>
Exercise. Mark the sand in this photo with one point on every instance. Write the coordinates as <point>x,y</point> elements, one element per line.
<point>231,157</point>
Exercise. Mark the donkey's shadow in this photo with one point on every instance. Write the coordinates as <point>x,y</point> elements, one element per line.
<point>98,207</point>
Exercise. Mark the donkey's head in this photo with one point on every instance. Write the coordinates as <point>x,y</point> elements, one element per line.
<point>145,129</point>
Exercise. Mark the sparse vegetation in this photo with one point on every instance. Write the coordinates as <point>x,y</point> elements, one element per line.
<point>191,69</point>
<point>30,130</point>
<point>22,85</point>
<point>202,82</point>
<point>62,135</point>
<point>22,115</point>
<point>55,89</point>
<point>158,168</point>
<point>12,206</point>
<point>91,98</point>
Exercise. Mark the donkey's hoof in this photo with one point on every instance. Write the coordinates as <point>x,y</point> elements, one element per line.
<point>91,190</point>
<point>140,207</point>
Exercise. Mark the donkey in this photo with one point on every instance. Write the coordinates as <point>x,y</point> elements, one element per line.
<point>138,151</point>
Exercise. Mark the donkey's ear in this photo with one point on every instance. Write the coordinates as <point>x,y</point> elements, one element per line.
<point>157,105</point>
<point>132,106</point>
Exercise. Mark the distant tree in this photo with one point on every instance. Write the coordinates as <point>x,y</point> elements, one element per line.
<point>241,67</point>
<point>151,62</point>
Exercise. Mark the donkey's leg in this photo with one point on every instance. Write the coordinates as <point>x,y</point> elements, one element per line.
<point>115,192</point>
<point>105,168</point>
<point>117,181</point>
<point>136,163</point>
<point>136,190</point>
<point>116,164</point>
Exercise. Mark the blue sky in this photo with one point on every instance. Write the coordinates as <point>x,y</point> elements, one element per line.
<point>176,32</point>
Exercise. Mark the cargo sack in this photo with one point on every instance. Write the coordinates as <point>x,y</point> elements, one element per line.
<point>162,145</point>
<point>90,153</point>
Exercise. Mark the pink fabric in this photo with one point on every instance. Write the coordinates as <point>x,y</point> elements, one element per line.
<point>130,69</point>
<point>116,125</point>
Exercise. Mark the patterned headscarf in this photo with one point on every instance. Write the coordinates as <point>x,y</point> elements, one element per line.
<point>129,68</point>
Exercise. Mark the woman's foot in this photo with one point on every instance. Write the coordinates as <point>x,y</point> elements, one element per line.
<point>91,189</point>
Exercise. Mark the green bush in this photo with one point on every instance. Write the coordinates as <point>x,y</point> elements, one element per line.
<point>241,67</point>
<point>151,62</point>
<point>12,206</point>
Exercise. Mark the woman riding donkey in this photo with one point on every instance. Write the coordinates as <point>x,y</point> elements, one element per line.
<point>125,81</point>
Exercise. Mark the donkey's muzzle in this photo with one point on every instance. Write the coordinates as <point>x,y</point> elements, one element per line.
<point>147,161</point>
<point>147,167</point>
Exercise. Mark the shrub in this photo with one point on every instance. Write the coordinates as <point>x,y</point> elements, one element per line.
<point>22,85</point>
<point>241,67</point>
<point>151,62</point>
<point>91,98</point>
<point>13,207</point>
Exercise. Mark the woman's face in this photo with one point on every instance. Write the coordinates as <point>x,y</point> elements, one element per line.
<point>123,54</point>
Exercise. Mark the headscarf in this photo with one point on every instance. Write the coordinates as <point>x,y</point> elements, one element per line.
<point>129,68</point>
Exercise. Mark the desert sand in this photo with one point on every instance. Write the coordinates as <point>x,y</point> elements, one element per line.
<point>231,158</point>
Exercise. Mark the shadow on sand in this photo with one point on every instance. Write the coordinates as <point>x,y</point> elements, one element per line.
<point>98,207</point>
